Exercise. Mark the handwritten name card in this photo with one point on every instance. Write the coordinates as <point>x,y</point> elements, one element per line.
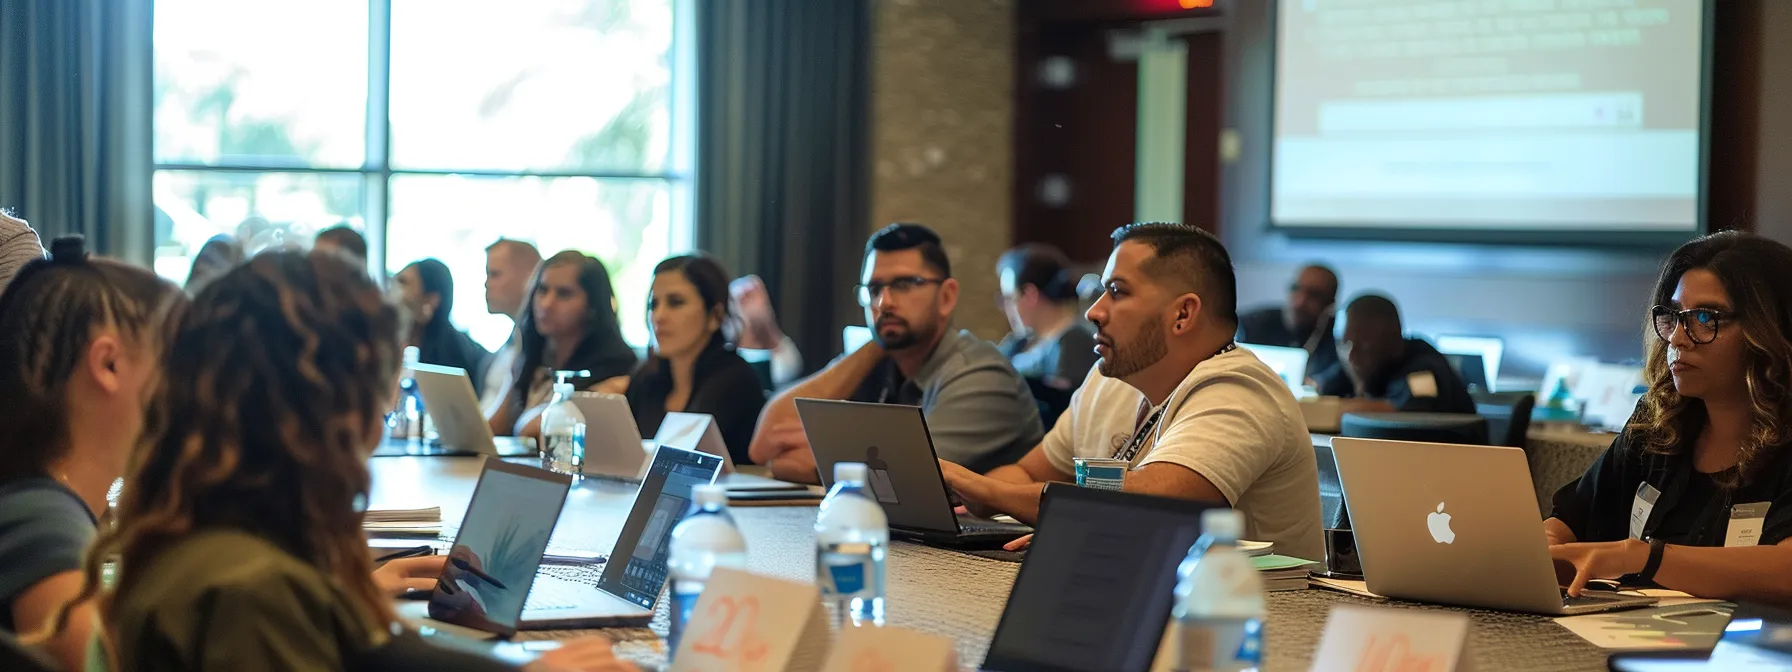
<point>747,622</point>
<point>1365,639</point>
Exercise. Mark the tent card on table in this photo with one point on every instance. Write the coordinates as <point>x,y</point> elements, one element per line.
<point>889,649</point>
<point>695,432</point>
<point>1367,638</point>
<point>747,622</point>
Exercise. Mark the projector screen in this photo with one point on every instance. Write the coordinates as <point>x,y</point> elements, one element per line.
<point>1489,115</point>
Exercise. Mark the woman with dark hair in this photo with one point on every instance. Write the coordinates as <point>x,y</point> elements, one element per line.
<point>239,539</point>
<point>76,366</point>
<point>1696,494</point>
<point>426,290</point>
<point>693,368</point>
<point>1049,342</point>
<point>570,325</point>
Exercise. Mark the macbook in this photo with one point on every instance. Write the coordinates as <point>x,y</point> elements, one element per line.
<point>1290,364</point>
<point>1454,524</point>
<point>613,446</point>
<point>1096,588</point>
<point>904,471</point>
<point>461,427</point>
<point>491,584</point>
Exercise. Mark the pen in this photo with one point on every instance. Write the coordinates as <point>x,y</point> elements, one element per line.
<point>412,552</point>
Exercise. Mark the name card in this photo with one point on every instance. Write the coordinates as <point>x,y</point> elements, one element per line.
<point>695,432</point>
<point>747,622</point>
<point>889,649</point>
<point>1363,639</point>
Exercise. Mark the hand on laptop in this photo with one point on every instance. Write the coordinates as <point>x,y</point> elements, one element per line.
<point>585,654</point>
<point>397,576</point>
<point>1601,560</point>
<point>1018,544</point>
<point>972,488</point>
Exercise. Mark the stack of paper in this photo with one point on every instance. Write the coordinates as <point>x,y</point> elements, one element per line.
<point>425,523</point>
<point>1281,573</point>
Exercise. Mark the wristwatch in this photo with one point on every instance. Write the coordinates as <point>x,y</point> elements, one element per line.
<point>1656,546</point>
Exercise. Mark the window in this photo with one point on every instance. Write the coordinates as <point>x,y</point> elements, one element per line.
<point>433,126</point>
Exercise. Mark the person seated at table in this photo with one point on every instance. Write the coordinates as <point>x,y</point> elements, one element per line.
<point>1049,341</point>
<point>692,368</point>
<point>979,411</point>
<point>1379,369</point>
<point>426,290</point>
<point>1710,442</point>
<point>79,350</point>
<point>239,532</point>
<point>508,265</point>
<point>760,333</point>
<point>342,239</point>
<point>570,325</point>
<point>1193,415</point>
<point>1306,322</point>
<point>216,257</point>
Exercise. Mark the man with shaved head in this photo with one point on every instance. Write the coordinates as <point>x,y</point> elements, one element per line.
<point>1306,322</point>
<point>1383,370</point>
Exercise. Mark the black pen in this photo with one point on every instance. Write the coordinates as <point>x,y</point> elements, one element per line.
<point>412,552</point>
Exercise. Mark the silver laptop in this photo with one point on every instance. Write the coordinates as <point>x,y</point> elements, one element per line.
<point>613,447</point>
<point>1290,364</point>
<point>460,425</point>
<point>491,585</point>
<point>1455,524</point>
<point>904,470</point>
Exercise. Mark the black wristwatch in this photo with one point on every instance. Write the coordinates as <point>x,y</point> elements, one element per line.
<point>1656,546</point>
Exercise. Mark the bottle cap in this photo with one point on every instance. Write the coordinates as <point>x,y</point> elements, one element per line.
<point>709,495</point>
<point>1222,523</point>
<point>849,471</point>
<point>411,355</point>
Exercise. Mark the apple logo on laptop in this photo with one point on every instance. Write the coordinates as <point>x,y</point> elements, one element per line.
<point>1440,526</point>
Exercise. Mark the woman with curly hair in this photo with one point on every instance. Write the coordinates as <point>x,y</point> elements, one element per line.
<point>239,535</point>
<point>1696,494</point>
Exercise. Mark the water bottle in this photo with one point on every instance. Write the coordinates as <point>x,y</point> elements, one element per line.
<point>851,535</point>
<point>1219,601</point>
<point>406,419</point>
<point>563,429</point>
<point>704,540</point>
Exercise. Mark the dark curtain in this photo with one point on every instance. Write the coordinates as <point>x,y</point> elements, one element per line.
<point>75,80</point>
<point>782,174</point>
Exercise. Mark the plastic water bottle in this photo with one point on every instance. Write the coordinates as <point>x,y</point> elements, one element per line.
<point>406,419</point>
<point>851,536</point>
<point>563,429</point>
<point>706,539</point>
<point>1219,601</point>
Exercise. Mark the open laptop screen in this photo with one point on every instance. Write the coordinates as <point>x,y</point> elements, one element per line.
<point>637,568</point>
<point>1095,590</point>
<point>494,558</point>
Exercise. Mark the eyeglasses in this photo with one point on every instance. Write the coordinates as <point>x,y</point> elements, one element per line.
<point>869,292</point>
<point>1699,324</point>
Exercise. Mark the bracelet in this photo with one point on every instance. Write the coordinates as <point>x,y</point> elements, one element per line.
<point>1656,547</point>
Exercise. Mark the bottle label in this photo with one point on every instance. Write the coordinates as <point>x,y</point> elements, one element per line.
<point>846,571</point>
<point>1219,644</point>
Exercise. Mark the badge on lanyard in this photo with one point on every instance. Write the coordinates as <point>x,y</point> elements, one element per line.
<point>1746,521</point>
<point>1646,496</point>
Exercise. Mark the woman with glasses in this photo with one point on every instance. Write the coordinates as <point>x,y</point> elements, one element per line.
<point>1696,495</point>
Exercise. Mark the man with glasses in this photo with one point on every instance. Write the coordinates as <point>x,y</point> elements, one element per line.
<point>1305,323</point>
<point>1383,370</point>
<point>979,411</point>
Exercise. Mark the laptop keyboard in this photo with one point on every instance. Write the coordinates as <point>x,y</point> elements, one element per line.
<point>548,600</point>
<point>970,527</point>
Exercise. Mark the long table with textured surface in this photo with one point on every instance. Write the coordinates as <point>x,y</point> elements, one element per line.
<point>929,590</point>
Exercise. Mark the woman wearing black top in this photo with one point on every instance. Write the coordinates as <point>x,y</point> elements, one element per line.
<point>426,289</point>
<point>570,325</point>
<point>692,368</point>
<point>1708,444</point>
<point>1051,341</point>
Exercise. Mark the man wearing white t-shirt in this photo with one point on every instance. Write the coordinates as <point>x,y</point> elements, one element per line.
<point>1196,417</point>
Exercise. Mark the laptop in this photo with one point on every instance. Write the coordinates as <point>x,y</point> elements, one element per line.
<point>491,586</point>
<point>904,470</point>
<point>613,447</point>
<point>1454,524</point>
<point>460,425</point>
<point>1096,589</point>
<point>1290,364</point>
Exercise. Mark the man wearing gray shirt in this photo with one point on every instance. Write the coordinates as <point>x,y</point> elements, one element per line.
<point>19,245</point>
<point>979,411</point>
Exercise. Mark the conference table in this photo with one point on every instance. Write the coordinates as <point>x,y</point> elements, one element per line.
<point>930,590</point>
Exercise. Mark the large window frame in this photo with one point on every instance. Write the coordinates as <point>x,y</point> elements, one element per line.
<point>377,170</point>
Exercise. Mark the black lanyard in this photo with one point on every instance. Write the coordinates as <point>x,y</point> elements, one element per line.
<point>1145,428</point>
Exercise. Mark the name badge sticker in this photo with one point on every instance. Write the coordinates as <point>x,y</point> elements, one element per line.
<point>1641,507</point>
<point>1746,521</point>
